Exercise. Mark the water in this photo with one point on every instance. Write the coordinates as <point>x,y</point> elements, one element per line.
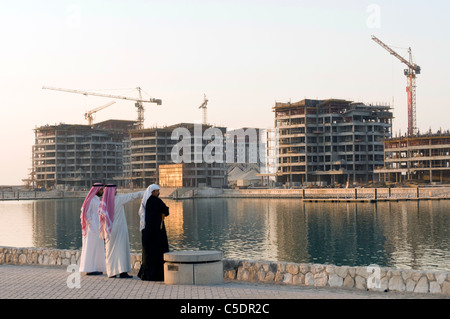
<point>411,235</point>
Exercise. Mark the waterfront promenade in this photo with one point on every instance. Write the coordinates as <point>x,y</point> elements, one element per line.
<point>55,282</point>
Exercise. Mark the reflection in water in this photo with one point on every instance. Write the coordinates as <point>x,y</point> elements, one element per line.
<point>398,234</point>
<point>57,223</point>
<point>16,224</point>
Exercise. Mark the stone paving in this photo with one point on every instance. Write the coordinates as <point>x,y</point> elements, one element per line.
<point>56,282</point>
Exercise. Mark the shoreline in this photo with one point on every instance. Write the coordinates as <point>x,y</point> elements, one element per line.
<point>370,195</point>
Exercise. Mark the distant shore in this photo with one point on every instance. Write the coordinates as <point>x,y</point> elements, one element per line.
<point>306,194</point>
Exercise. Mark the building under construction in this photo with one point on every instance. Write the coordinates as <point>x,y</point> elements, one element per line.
<point>152,160</point>
<point>328,142</point>
<point>421,159</point>
<point>76,156</point>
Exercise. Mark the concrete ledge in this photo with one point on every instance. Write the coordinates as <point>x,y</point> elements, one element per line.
<point>193,268</point>
<point>193,256</point>
<point>363,277</point>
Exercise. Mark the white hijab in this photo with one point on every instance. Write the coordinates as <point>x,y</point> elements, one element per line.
<point>147,194</point>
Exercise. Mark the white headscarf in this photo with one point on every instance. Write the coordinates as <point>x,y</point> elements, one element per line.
<point>147,194</point>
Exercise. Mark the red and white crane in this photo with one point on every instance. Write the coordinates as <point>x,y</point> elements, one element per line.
<point>410,73</point>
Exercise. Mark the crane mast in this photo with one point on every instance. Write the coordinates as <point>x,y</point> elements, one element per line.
<point>139,101</point>
<point>410,73</point>
<point>140,109</point>
<point>204,109</point>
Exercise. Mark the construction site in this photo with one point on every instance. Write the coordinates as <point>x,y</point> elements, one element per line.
<point>74,156</point>
<point>316,143</point>
<point>414,158</point>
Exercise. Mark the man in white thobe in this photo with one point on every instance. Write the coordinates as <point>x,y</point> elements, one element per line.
<point>117,244</point>
<point>92,259</point>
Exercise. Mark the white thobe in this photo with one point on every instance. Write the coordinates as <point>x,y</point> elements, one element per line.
<point>93,247</point>
<point>118,244</point>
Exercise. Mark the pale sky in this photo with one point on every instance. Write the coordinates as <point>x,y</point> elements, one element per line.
<point>244,55</point>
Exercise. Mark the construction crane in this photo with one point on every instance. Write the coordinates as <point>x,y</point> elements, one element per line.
<point>203,107</point>
<point>410,73</point>
<point>89,115</point>
<point>139,101</point>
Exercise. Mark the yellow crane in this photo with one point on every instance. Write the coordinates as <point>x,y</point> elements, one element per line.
<point>89,115</point>
<point>203,107</point>
<point>139,101</point>
<point>410,73</point>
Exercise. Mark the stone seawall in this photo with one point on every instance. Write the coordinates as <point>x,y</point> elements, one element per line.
<point>386,194</point>
<point>315,275</point>
<point>341,194</point>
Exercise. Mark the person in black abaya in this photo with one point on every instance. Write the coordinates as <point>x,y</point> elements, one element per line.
<point>154,237</point>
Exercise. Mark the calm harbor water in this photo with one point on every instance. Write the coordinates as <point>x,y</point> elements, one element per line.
<point>409,234</point>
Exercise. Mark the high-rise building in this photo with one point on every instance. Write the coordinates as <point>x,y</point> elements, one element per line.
<point>328,142</point>
<point>152,147</point>
<point>76,156</point>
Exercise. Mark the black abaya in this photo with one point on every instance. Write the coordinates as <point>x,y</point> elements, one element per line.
<point>154,240</point>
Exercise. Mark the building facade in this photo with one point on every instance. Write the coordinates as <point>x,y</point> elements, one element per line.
<point>73,156</point>
<point>148,148</point>
<point>152,147</point>
<point>76,156</point>
<point>330,142</point>
<point>423,159</point>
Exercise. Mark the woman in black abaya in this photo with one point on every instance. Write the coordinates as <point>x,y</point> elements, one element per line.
<point>154,236</point>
